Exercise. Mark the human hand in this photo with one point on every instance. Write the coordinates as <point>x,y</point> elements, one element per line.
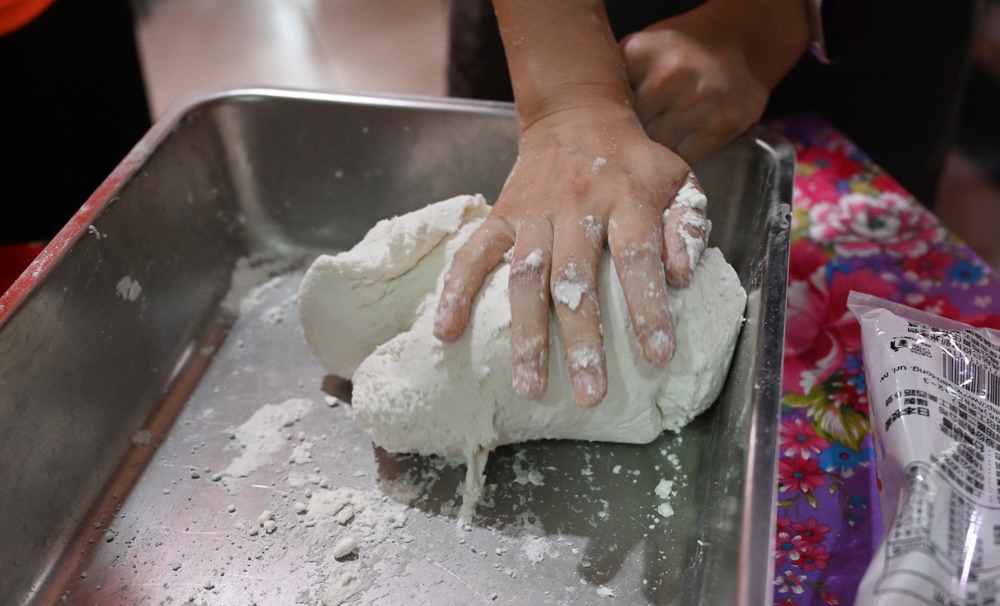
<point>585,177</point>
<point>703,78</point>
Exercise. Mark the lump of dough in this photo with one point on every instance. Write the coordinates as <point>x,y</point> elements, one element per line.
<point>352,302</point>
<point>368,313</point>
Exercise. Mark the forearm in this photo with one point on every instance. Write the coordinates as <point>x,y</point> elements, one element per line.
<point>774,33</point>
<point>562,55</point>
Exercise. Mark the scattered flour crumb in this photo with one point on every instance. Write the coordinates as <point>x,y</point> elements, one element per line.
<point>301,454</point>
<point>605,592</point>
<point>665,489</point>
<point>261,436</point>
<point>345,515</point>
<point>535,548</point>
<point>340,587</point>
<point>345,547</point>
<point>128,288</point>
<point>523,475</point>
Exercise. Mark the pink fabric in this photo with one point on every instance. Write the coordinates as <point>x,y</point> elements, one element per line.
<point>853,228</point>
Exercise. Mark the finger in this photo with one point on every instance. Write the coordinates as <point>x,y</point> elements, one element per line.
<point>700,144</point>
<point>686,229</point>
<point>667,129</point>
<point>638,64</point>
<point>638,57</point>
<point>529,309</point>
<point>472,262</point>
<point>576,260</point>
<point>638,256</point>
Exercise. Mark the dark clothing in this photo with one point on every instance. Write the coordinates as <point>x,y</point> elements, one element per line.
<point>72,104</point>
<point>895,92</point>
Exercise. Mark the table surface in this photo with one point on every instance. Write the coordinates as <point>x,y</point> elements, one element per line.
<point>853,228</point>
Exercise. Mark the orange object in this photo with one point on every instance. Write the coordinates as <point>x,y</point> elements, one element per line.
<point>15,14</point>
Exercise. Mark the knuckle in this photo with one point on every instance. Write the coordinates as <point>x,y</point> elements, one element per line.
<point>637,250</point>
<point>572,284</point>
<point>696,223</point>
<point>593,229</point>
<point>529,270</point>
<point>531,349</point>
<point>577,183</point>
<point>467,258</point>
<point>585,355</point>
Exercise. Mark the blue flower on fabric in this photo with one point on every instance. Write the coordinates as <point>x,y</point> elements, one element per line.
<point>854,373</point>
<point>837,265</point>
<point>842,460</point>
<point>857,500</point>
<point>965,273</point>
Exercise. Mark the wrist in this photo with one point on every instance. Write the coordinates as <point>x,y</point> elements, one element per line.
<point>607,102</point>
<point>773,33</point>
<point>562,56</point>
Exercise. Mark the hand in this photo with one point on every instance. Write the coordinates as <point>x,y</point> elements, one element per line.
<point>585,177</point>
<point>703,78</point>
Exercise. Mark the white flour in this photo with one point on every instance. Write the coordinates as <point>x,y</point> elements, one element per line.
<point>249,278</point>
<point>340,525</point>
<point>128,288</point>
<point>263,435</point>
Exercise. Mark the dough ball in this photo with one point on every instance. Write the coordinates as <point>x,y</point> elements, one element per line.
<point>368,314</point>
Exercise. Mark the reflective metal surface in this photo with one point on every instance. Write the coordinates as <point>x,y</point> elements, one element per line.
<point>124,371</point>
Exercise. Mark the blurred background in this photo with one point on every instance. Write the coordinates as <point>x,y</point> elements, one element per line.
<point>174,47</point>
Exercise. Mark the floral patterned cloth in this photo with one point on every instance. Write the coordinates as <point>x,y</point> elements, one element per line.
<point>853,228</point>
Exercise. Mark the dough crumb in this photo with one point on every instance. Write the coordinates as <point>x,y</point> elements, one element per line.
<point>345,547</point>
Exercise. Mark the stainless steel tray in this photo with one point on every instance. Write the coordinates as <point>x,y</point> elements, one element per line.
<point>125,374</point>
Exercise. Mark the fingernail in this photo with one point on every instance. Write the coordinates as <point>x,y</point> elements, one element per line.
<point>587,388</point>
<point>659,347</point>
<point>442,320</point>
<point>447,316</point>
<point>528,381</point>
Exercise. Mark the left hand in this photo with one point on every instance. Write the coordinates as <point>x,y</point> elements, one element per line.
<point>703,78</point>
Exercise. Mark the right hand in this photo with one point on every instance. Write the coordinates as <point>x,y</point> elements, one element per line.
<point>586,177</point>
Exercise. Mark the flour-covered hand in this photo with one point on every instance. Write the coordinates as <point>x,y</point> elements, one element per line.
<point>586,178</point>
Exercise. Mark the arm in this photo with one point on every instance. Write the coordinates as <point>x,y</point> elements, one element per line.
<point>704,77</point>
<point>587,175</point>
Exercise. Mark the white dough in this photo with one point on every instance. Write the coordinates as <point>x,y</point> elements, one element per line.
<point>368,314</point>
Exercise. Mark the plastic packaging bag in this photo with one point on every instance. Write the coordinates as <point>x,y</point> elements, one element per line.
<point>934,397</point>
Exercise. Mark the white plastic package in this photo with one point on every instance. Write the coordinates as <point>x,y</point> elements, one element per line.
<point>934,396</point>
